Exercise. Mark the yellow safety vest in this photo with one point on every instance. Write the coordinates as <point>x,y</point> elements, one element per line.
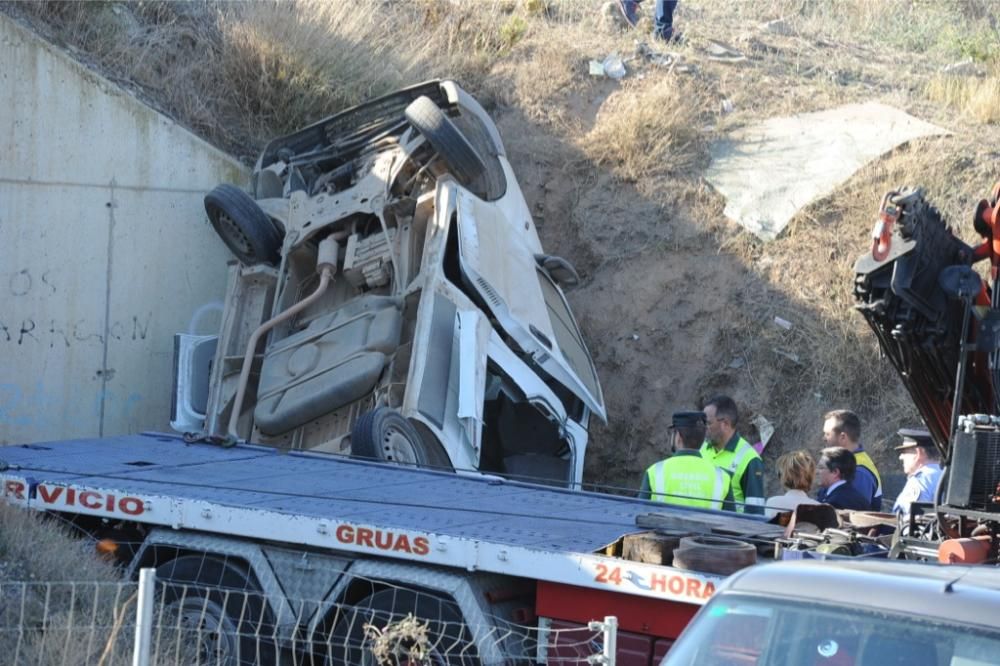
<point>688,480</point>
<point>864,460</point>
<point>734,462</point>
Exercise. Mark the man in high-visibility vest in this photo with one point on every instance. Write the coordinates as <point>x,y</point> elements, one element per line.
<point>726,449</point>
<point>685,478</point>
<point>842,427</point>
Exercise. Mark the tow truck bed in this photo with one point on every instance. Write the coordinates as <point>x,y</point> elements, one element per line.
<point>332,502</point>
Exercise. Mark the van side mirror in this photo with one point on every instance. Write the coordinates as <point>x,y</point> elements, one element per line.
<point>560,270</point>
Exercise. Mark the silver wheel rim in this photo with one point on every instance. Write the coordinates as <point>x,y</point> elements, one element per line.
<point>235,234</point>
<point>397,447</point>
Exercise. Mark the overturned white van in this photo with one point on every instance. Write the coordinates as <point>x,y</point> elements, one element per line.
<point>392,301</point>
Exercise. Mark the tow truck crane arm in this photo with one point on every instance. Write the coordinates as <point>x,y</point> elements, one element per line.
<point>938,323</point>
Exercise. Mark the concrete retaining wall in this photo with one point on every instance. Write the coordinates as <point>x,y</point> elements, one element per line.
<point>105,250</point>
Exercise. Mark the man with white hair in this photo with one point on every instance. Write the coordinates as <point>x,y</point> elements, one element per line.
<point>921,463</point>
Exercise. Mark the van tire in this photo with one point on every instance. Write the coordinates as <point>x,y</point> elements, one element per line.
<point>449,639</point>
<point>384,435</point>
<point>458,153</point>
<point>241,224</point>
<point>711,554</point>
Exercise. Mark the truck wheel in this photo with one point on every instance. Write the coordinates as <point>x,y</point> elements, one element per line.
<point>447,638</point>
<point>221,614</point>
<point>383,434</point>
<point>462,159</point>
<point>710,554</point>
<point>243,226</point>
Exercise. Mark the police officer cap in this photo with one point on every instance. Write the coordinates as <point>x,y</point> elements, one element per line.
<point>687,419</point>
<point>914,437</point>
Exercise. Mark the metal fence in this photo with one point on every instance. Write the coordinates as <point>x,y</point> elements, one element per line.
<point>163,622</point>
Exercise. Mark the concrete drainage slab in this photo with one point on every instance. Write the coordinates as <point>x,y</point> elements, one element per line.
<point>769,171</point>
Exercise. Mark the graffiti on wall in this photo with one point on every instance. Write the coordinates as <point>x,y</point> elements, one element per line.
<point>52,332</point>
<point>32,324</point>
<point>22,282</point>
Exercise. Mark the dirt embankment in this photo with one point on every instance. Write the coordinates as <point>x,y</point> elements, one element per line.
<point>677,303</point>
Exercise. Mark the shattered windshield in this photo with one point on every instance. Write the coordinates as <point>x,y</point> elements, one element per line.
<point>734,630</point>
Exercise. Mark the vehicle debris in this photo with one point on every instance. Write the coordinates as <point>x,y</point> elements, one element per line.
<point>806,156</point>
<point>765,428</point>
<point>777,27</point>
<point>612,67</point>
<point>722,52</point>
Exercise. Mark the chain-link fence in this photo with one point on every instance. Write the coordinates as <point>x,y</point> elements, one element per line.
<point>166,622</point>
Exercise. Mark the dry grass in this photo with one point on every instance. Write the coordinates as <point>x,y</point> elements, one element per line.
<point>406,638</point>
<point>976,97</point>
<point>545,75</point>
<point>650,128</point>
<point>61,604</point>
<point>34,549</point>
<point>240,73</point>
<point>950,30</point>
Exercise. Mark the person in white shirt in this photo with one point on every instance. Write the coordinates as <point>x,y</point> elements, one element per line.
<point>922,466</point>
<point>796,469</point>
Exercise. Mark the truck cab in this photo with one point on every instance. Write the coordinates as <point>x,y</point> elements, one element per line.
<point>441,336</point>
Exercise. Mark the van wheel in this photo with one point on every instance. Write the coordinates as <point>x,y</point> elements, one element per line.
<point>439,635</point>
<point>462,159</point>
<point>220,614</point>
<point>383,434</point>
<point>241,224</point>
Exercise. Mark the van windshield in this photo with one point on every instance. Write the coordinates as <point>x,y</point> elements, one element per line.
<point>743,631</point>
<point>568,336</point>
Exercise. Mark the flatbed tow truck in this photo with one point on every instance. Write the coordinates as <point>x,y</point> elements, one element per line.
<point>301,525</point>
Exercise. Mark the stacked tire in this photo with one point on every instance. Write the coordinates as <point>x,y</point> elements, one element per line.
<point>712,554</point>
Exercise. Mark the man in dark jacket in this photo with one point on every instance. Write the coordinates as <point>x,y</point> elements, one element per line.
<point>835,472</point>
<point>842,427</point>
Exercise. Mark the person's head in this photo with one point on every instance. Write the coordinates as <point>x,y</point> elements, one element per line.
<point>689,429</point>
<point>842,427</point>
<point>797,469</point>
<point>916,450</point>
<point>835,464</point>
<point>720,419</point>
